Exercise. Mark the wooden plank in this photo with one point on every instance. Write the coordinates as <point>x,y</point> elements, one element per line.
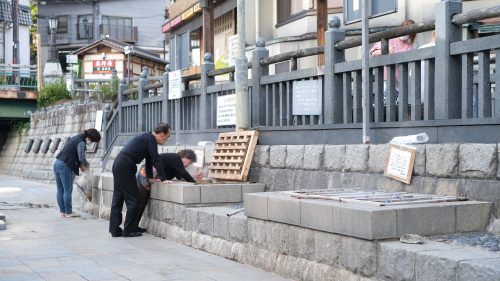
<point>220,154</point>
<point>249,155</point>
<point>237,168</point>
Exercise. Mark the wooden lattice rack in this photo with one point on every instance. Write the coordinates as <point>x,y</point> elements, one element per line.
<point>232,156</point>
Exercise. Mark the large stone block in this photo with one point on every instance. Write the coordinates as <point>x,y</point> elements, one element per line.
<point>358,256</point>
<point>334,157</point>
<point>252,187</point>
<point>421,184</point>
<point>301,242</point>
<point>483,190</point>
<point>431,267</point>
<point>261,155</point>
<point>294,156</point>
<point>449,187</point>
<point>478,160</point>
<point>441,160</point>
<point>256,205</point>
<point>356,158</point>
<point>362,221</point>
<point>257,232</point>
<point>316,214</point>
<point>206,222</point>
<point>313,157</point>
<point>395,263</point>
<point>484,270</point>
<point>419,167</point>
<point>277,237</point>
<point>220,193</point>
<point>238,229</point>
<point>191,220</point>
<point>326,248</point>
<point>277,156</point>
<point>221,226</point>
<point>472,216</point>
<point>376,158</point>
<point>283,208</point>
<point>181,193</point>
<point>426,219</point>
<point>302,179</point>
<point>281,179</point>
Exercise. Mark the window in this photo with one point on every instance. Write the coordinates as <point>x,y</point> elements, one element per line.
<point>62,24</point>
<point>85,27</point>
<point>119,28</point>
<point>286,8</point>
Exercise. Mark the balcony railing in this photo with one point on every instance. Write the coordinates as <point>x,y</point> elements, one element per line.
<point>119,32</point>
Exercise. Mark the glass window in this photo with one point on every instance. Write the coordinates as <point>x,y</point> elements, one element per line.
<point>286,8</point>
<point>85,27</point>
<point>62,24</point>
<point>119,28</point>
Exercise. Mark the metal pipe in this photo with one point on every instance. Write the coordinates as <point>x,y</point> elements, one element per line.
<point>365,31</point>
<point>235,212</point>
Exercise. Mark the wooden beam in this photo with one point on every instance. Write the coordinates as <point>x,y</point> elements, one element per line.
<point>208,29</point>
<point>322,19</point>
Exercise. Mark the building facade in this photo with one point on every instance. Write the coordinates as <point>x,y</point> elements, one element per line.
<point>7,32</point>
<point>83,22</point>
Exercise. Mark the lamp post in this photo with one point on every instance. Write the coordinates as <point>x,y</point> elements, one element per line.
<point>54,56</point>
<point>52,70</point>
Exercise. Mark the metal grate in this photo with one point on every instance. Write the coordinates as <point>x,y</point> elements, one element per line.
<point>376,198</point>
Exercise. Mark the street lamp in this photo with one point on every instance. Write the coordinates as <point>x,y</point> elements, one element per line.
<point>54,56</point>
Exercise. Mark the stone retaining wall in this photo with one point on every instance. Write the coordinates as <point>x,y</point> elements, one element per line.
<point>305,254</point>
<point>62,121</point>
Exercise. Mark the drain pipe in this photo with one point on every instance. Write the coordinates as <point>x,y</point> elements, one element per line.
<point>241,71</point>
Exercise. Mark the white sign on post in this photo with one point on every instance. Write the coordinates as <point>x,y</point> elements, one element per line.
<point>98,120</point>
<point>175,85</point>
<point>71,59</point>
<point>226,110</point>
<point>232,43</point>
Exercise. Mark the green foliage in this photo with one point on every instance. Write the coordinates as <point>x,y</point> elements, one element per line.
<point>33,28</point>
<point>53,92</point>
<point>21,127</point>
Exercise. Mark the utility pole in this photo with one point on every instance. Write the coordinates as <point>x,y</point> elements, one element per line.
<point>366,104</point>
<point>321,21</point>
<point>208,27</point>
<point>15,32</point>
<point>241,71</point>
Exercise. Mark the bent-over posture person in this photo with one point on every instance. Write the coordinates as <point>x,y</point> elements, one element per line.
<point>68,161</point>
<point>174,166</point>
<point>143,146</point>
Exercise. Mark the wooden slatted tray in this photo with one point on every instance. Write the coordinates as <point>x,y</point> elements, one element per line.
<point>233,153</point>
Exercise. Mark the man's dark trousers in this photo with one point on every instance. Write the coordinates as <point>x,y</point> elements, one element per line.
<point>125,189</point>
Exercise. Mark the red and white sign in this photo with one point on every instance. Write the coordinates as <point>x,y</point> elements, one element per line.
<point>103,66</point>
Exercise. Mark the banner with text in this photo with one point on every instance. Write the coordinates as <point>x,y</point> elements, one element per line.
<point>226,110</point>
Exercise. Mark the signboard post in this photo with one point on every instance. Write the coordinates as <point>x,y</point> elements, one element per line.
<point>307,97</point>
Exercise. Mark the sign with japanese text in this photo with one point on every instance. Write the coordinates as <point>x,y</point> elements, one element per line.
<point>307,97</point>
<point>175,85</point>
<point>399,163</point>
<point>103,66</point>
<point>226,110</point>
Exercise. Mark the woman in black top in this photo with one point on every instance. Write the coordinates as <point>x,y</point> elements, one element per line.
<point>67,164</point>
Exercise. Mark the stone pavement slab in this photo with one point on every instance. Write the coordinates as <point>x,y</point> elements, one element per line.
<point>40,245</point>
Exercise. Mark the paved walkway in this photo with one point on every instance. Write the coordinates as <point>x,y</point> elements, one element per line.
<point>39,245</point>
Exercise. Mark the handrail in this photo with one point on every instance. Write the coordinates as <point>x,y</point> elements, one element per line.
<point>292,55</point>
<point>130,91</point>
<point>386,34</point>
<point>476,15</point>
<point>153,86</point>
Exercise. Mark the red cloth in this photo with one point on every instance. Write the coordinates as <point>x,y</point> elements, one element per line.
<point>396,45</point>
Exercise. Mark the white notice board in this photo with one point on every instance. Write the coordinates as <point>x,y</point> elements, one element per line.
<point>307,97</point>
<point>226,110</point>
<point>175,85</point>
<point>399,163</point>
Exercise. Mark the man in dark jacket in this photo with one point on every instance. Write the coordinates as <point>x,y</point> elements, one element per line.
<point>67,164</point>
<point>143,146</point>
<point>174,166</point>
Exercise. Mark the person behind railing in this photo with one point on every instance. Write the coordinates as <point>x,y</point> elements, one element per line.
<point>67,164</point>
<point>174,165</point>
<point>143,146</point>
<point>396,45</point>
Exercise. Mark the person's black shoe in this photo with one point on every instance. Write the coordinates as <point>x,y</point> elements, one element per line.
<point>141,230</point>
<point>118,233</point>
<point>131,234</point>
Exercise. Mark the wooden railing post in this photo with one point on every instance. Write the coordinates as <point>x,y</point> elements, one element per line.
<point>206,66</point>
<point>333,95</point>
<point>448,99</point>
<point>258,98</point>
<point>164,103</point>
<point>140,92</point>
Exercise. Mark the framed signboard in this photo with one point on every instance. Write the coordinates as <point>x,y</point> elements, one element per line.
<point>399,163</point>
<point>307,97</point>
<point>226,110</point>
<point>175,85</point>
